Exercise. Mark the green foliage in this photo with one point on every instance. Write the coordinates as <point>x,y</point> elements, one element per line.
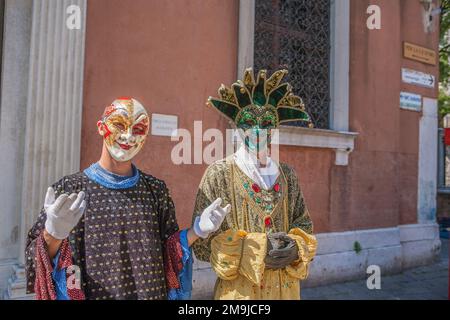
<point>444,45</point>
<point>444,55</point>
<point>444,103</point>
<point>357,247</point>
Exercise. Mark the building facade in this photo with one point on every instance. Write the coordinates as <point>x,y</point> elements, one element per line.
<point>368,170</point>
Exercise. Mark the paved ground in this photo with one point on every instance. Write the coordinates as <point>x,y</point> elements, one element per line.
<point>423,283</point>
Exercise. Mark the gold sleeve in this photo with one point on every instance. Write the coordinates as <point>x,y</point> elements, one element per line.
<point>299,214</point>
<point>208,191</point>
<point>239,253</point>
<point>307,246</point>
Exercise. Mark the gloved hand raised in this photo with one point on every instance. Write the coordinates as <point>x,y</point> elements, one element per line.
<point>210,219</point>
<point>63,213</point>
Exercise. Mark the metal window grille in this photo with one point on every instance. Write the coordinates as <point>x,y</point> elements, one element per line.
<point>295,34</point>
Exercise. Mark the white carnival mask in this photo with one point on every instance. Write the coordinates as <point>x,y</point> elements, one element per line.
<point>125,126</point>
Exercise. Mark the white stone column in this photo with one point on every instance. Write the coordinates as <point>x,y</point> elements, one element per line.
<point>428,150</point>
<point>15,59</point>
<point>53,127</point>
<point>340,65</point>
<point>52,121</point>
<point>246,35</point>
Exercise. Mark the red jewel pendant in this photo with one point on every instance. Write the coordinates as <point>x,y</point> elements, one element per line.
<point>256,188</point>
<point>276,187</point>
<point>268,222</point>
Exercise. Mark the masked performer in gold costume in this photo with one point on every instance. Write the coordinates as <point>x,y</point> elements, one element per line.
<point>265,245</point>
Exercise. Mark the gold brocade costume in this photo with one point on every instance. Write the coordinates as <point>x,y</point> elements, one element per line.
<point>238,249</point>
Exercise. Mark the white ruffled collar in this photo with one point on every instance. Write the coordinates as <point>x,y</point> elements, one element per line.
<point>265,176</point>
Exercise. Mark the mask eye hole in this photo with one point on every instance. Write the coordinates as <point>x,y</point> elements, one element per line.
<point>266,123</point>
<point>120,126</point>
<point>139,129</point>
<point>250,122</point>
<point>247,122</point>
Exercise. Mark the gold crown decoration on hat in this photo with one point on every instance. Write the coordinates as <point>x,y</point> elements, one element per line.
<point>261,94</point>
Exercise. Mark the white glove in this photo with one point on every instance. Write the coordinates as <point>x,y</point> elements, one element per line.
<point>64,213</point>
<point>210,219</point>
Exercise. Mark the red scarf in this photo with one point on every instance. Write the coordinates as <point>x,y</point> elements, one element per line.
<point>173,261</point>
<point>43,285</point>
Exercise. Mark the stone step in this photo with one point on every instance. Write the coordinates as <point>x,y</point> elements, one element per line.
<point>19,272</point>
<point>17,286</point>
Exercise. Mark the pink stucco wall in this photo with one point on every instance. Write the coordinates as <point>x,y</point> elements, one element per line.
<point>171,55</point>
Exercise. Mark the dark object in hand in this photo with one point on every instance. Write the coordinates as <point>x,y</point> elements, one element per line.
<point>282,250</point>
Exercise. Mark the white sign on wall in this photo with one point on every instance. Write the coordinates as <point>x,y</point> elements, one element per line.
<point>418,78</point>
<point>410,101</point>
<point>164,125</point>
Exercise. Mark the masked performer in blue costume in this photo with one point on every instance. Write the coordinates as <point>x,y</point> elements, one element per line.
<point>110,231</point>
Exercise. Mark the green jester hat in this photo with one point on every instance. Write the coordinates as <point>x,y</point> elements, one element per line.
<point>263,104</point>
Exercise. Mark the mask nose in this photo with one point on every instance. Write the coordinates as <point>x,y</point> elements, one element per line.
<point>258,133</point>
<point>252,132</point>
<point>126,137</point>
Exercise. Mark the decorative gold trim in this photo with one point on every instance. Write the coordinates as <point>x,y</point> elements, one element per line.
<point>227,95</point>
<point>285,205</point>
<point>275,80</point>
<point>210,104</point>
<point>233,197</point>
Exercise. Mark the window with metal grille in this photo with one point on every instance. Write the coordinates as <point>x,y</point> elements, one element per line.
<point>295,34</point>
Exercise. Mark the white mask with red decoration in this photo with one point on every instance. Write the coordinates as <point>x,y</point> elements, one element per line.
<point>124,127</point>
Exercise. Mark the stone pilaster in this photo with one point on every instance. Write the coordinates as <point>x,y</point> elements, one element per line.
<point>51,123</point>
